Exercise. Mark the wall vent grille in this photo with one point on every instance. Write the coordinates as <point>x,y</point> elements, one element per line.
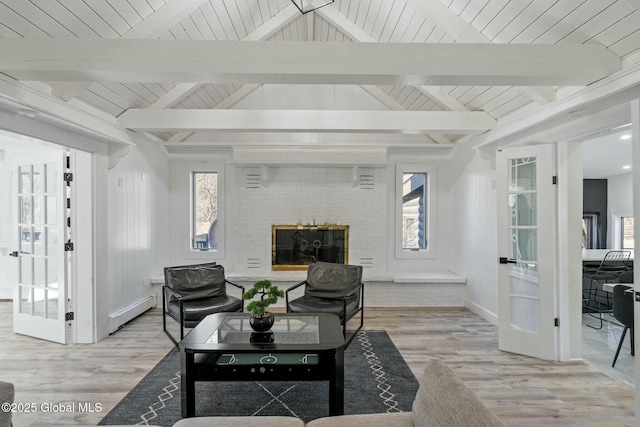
<point>254,263</point>
<point>367,182</point>
<point>366,262</point>
<point>252,180</point>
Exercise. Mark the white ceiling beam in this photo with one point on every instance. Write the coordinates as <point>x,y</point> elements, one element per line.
<point>406,122</point>
<point>344,24</point>
<point>168,15</point>
<point>413,64</point>
<point>443,99</point>
<point>174,96</point>
<point>228,102</point>
<point>392,104</point>
<point>462,32</point>
<point>351,30</point>
<point>263,32</point>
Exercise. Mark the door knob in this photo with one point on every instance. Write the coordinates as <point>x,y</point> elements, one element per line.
<point>14,254</point>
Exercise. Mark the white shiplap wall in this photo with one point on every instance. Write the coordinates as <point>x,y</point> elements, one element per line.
<point>138,222</point>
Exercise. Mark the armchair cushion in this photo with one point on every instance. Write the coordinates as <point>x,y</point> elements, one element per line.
<point>332,281</point>
<point>196,282</point>
<point>309,304</point>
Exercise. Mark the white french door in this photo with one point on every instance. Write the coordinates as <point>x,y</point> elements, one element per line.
<point>526,279</point>
<point>40,297</point>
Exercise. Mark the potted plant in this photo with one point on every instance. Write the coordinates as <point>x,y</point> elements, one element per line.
<point>261,320</point>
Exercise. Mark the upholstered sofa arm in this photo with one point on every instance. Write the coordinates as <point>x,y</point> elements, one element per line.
<point>6,396</point>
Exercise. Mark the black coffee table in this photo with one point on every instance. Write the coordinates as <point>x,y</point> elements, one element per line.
<point>303,347</point>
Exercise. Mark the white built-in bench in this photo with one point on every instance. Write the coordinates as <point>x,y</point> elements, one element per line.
<point>404,289</point>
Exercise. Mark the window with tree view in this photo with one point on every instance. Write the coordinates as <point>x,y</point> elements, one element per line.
<point>205,210</point>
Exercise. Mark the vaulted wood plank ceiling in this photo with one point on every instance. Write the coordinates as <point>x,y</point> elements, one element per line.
<point>611,24</point>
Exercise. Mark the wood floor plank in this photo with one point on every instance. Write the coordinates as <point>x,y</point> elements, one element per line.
<point>522,391</point>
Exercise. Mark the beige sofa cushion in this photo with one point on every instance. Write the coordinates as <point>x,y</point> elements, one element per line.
<point>240,422</point>
<point>395,419</point>
<point>444,400</point>
<point>6,396</point>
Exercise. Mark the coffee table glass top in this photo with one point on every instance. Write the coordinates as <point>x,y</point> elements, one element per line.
<point>290,329</point>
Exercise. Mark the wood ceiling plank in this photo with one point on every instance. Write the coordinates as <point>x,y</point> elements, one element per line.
<point>505,17</point>
<point>528,17</point>
<point>241,7</point>
<point>391,22</point>
<point>141,7</point>
<point>472,10</point>
<point>616,33</point>
<point>519,101</point>
<point>105,11</point>
<point>412,28</point>
<point>627,46</point>
<point>233,12</point>
<point>90,18</point>
<point>457,6</point>
<point>372,16</point>
<point>31,20</point>
<point>202,25</point>
<point>232,32</point>
<point>213,21</point>
<point>488,13</point>
<point>600,22</point>
<point>128,13</point>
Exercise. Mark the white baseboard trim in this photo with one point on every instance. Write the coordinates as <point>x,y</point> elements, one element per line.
<point>482,312</point>
<point>119,318</point>
<point>6,294</point>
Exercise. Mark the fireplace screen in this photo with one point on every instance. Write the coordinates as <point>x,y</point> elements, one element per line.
<point>294,247</point>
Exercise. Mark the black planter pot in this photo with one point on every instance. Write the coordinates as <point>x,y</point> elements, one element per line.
<point>261,324</point>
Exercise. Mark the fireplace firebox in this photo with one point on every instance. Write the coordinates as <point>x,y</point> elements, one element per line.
<point>294,247</point>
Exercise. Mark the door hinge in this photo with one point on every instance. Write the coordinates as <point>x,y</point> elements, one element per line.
<point>68,316</point>
<point>556,322</point>
<point>554,180</point>
<point>68,247</point>
<point>67,177</point>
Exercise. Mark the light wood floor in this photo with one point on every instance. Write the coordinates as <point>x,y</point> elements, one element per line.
<point>522,391</point>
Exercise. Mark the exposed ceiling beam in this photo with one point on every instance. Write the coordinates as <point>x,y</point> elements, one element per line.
<point>355,33</point>
<point>228,102</point>
<point>462,32</point>
<point>263,32</point>
<point>168,15</point>
<point>412,64</point>
<point>392,104</point>
<point>406,122</point>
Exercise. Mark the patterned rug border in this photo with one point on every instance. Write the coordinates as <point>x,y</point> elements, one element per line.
<point>387,372</point>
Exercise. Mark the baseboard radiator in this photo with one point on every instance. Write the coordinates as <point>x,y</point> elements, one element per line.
<point>119,318</point>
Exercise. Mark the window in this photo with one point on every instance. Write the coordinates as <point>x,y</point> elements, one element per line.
<point>626,236</point>
<point>414,200</point>
<point>204,210</point>
<point>590,235</point>
<point>414,211</point>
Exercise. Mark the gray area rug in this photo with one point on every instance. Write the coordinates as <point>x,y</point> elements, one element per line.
<point>377,380</point>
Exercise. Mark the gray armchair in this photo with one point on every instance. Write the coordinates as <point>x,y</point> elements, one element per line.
<point>192,292</point>
<point>331,288</point>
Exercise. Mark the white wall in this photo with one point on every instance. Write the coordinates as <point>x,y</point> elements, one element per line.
<point>474,213</point>
<point>303,192</point>
<point>138,240</point>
